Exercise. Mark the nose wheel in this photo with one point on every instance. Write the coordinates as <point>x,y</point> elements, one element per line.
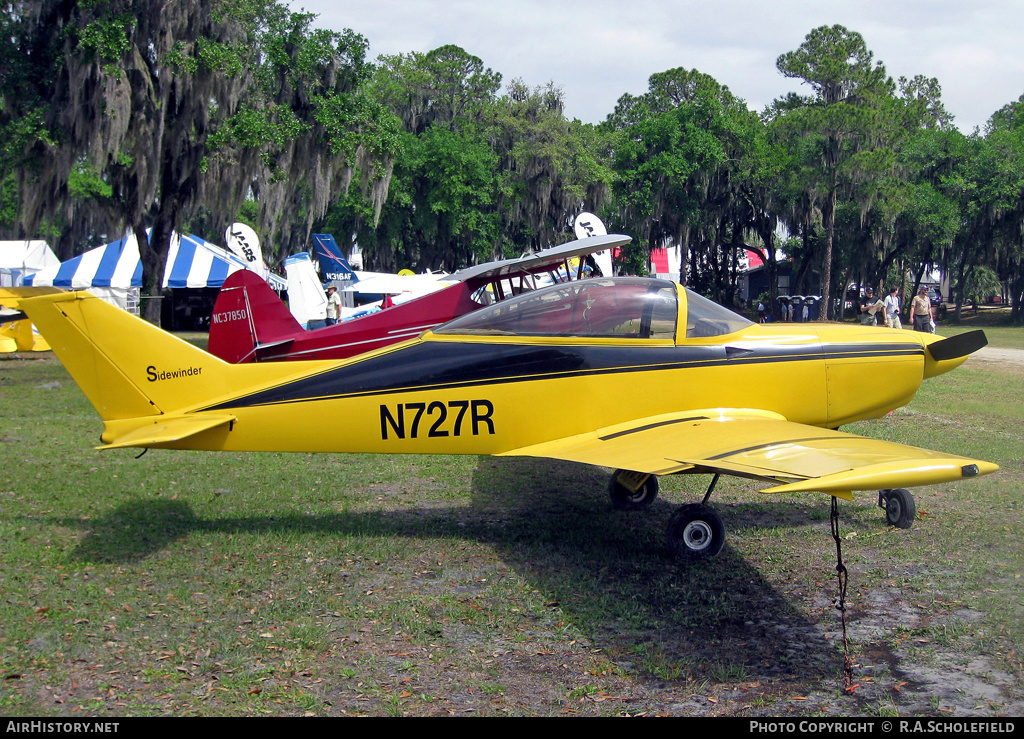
<point>900,510</point>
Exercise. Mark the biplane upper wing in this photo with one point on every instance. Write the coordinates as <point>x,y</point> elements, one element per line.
<point>541,260</point>
<point>760,445</point>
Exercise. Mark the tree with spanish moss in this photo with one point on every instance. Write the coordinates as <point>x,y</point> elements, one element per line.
<point>141,112</point>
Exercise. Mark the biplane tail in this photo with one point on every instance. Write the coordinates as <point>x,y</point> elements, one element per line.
<point>143,381</point>
<point>249,319</point>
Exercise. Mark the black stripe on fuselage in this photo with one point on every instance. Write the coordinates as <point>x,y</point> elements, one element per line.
<point>434,364</point>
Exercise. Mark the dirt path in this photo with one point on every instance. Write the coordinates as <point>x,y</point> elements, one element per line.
<point>998,354</point>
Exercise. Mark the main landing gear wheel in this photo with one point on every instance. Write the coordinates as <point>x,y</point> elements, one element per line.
<point>630,491</point>
<point>695,531</point>
<point>900,510</point>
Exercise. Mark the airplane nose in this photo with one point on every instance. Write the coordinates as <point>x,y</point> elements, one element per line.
<point>944,354</point>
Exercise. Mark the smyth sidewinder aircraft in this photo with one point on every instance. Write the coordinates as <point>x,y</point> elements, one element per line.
<point>669,382</point>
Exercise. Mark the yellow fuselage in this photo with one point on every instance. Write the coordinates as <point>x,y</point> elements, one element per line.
<point>489,395</point>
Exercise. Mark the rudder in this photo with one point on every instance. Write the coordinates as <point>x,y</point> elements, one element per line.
<point>247,315</point>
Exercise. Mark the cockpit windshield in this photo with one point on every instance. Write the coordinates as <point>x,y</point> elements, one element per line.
<point>707,318</point>
<point>622,308</point>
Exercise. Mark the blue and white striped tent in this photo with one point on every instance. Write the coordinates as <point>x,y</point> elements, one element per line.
<point>191,262</point>
<point>115,265</point>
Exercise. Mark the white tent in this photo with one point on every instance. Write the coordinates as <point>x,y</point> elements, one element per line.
<point>18,259</point>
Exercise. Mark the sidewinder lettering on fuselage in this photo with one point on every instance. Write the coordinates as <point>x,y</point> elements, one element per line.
<point>155,375</point>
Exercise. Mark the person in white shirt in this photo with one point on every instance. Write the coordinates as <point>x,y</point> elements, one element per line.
<point>892,309</point>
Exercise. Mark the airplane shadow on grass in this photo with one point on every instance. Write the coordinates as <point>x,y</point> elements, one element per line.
<point>609,571</point>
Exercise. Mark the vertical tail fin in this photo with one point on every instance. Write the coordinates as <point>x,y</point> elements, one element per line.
<point>148,386</point>
<point>306,299</point>
<point>333,265</point>
<point>246,316</point>
<point>126,367</point>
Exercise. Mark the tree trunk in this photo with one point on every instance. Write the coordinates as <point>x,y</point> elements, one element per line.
<point>152,276</point>
<point>826,267</point>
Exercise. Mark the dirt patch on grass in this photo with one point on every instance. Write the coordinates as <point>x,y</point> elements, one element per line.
<point>999,354</point>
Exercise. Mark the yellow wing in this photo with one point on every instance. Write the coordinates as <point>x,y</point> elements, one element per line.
<point>760,445</point>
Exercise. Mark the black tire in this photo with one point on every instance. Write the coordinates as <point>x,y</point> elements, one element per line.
<point>624,499</point>
<point>695,531</point>
<point>900,510</point>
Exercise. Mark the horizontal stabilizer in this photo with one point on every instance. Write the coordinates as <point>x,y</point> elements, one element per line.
<point>10,296</point>
<point>165,430</point>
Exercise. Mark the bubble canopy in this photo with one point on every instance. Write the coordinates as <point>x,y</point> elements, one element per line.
<point>611,308</point>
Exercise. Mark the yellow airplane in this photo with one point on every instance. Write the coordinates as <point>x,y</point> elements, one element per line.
<point>641,374</point>
<point>16,332</point>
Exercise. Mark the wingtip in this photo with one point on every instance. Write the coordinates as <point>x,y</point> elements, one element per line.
<point>901,474</point>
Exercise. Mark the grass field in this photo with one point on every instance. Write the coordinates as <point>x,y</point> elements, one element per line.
<point>995,323</point>
<point>193,583</point>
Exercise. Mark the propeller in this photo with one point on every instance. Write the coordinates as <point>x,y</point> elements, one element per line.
<point>957,346</point>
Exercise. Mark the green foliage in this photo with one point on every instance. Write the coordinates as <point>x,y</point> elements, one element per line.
<point>8,201</point>
<point>842,126</point>
<point>449,183</point>
<point>680,151</point>
<point>86,183</point>
<point>109,37</point>
<point>477,176</point>
<point>179,108</point>
<point>980,284</point>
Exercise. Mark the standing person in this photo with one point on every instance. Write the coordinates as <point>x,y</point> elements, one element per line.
<point>333,305</point>
<point>869,308</point>
<point>921,311</point>
<point>892,309</point>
